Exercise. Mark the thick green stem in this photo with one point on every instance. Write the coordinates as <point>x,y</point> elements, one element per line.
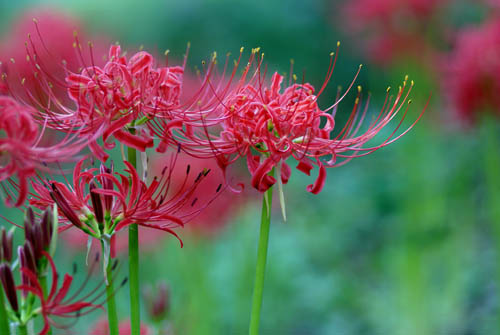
<point>110,294</point>
<point>4,320</point>
<point>260,269</point>
<point>133,259</point>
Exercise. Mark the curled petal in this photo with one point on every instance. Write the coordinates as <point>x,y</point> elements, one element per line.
<point>320,181</point>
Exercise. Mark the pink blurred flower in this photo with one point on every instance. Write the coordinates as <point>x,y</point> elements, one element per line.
<point>472,70</point>
<point>53,43</point>
<point>102,328</point>
<point>391,29</point>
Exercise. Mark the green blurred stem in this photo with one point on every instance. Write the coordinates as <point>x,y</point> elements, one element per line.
<point>260,270</point>
<point>110,294</point>
<point>43,284</point>
<point>4,320</point>
<point>491,157</point>
<point>21,330</point>
<point>133,259</point>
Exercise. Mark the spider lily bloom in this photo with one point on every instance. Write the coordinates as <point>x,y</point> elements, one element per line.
<point>101,202</point>
<point>121,92</point>
<point>114,100</point>
<point>269,124</point>
<point>21,151</point>
<point>471,80</point>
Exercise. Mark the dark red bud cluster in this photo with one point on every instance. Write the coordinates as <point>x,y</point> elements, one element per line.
<point>38,233</point>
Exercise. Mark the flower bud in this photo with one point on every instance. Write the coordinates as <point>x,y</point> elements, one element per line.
<point>9,287</point>
<point>96,203</point>
<point>63,205</point>
<point>6,245</point>
<point>158,302</point>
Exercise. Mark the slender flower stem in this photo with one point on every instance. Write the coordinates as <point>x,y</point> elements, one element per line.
<point>4,321</point>
<point>133,259</point>
<point>43,284</point>
<point>110,294</point>
<point>260,270</point>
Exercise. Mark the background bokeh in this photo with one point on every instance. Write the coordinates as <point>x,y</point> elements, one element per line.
<point>404,241</point>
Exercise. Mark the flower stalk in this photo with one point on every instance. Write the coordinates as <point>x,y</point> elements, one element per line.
<point>260,269</point>
<point>133,256</point>
<point>110,295</point>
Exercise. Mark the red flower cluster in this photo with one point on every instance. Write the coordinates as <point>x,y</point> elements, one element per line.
<point>115,200</point>
<point>111,98</point>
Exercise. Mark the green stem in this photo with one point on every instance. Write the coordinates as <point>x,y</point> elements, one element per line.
<point>4,320</point>
<point>110,294</point>
<point>133,258</point>
<point>489,143</point>
<point>43,284</point>
<point>21,330</point>
<point>260,270</point>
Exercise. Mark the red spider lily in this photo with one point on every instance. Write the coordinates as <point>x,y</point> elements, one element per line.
<point>56,303</point>
<point>114,200</point>
<point>471,81</point>
<point>121,92</point>
<point>112,100</point>
<point>276,124</point>
<point>21,151</point>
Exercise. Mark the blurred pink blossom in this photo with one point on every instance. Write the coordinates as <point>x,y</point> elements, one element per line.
<point>54,43</point>
<point>473,68</point>
<point>390,29</point>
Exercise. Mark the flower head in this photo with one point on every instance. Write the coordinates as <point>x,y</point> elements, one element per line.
<point>101,201</point>
<point>268,124</point>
